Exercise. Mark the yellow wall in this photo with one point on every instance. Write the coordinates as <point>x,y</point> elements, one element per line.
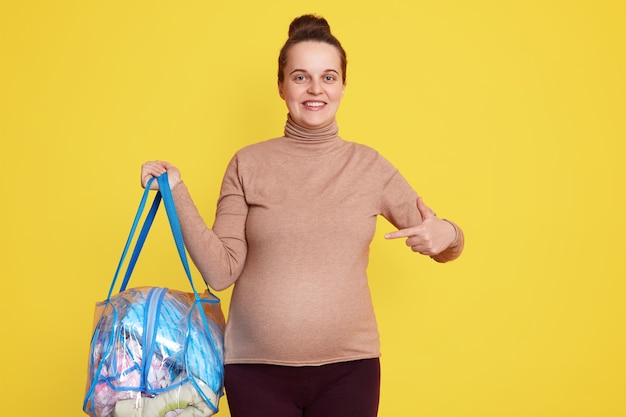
<point>507,116</point>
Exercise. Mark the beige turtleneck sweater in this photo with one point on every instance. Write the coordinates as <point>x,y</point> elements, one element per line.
<point>294,222</point>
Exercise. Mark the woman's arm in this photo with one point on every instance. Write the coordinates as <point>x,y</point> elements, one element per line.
<point>218,253</point>
<point>440,239</point>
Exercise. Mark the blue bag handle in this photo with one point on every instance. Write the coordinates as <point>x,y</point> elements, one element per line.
<point>165,194</point>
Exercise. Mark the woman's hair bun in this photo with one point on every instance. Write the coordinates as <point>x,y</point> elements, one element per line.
<point>308,23</point>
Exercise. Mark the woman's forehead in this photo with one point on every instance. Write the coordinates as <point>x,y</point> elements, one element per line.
<point>310,55</point>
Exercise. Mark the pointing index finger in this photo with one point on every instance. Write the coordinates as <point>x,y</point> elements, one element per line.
<point>398,234</point>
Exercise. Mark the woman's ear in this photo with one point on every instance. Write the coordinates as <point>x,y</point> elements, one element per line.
<point>280,90</point>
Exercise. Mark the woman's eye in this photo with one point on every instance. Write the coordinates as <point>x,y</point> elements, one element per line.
<point>329,78</point>
<point>300,78</point>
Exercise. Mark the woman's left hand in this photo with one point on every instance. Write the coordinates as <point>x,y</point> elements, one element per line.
<point>431,237</point>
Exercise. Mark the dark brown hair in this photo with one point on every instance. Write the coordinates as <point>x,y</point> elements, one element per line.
<point>310,27</point>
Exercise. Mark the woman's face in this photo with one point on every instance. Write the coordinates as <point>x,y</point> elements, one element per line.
<point>312,86</point>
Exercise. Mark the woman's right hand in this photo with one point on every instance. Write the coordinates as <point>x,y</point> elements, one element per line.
<point>156,168</point>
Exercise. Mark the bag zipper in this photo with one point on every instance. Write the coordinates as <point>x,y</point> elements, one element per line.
<point>153,307</point>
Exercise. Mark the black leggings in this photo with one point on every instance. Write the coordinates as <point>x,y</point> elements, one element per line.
<point>345,389</point>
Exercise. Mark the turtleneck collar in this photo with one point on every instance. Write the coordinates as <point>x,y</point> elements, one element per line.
<point>294,131</point>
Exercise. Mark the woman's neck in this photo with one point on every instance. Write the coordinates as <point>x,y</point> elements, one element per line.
<point>295,131</point>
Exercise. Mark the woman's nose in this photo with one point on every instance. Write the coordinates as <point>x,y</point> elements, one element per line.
<point>315,87</point>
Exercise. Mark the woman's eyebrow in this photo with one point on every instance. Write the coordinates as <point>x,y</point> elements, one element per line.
<point>302,70</point>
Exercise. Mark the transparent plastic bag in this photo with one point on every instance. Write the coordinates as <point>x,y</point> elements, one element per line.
<point>155,352</point>
<point>149,341</point>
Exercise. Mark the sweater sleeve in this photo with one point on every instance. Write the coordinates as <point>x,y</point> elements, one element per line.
<point>218,253</point>
<point>399,206</point>
<point>397,197</point>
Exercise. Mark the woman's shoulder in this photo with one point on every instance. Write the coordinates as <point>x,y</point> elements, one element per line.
<point>365,151</point>
<point>362,148</point>
<point>258,149</point>
<point>370,157</point>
